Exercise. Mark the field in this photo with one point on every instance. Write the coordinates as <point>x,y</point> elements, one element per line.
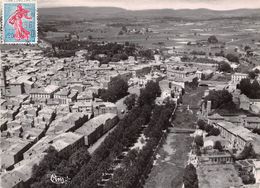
<point>157,29</point>
<point>226,176</point>
<point>168,169</point>
<point>166,28</point>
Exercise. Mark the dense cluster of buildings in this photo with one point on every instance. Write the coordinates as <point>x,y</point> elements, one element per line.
<point>49,102</point>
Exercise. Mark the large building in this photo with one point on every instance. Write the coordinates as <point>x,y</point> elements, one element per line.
<point>216,158</point>
<point>45,93</point>
<point>250,122</point>
<point>103,108</point>
<point>65,143</point>
<point>96,127</point>
<point>12,150</point>
<point>237,77</point>
<point>238,136</point>
<point>256,171</point>
<point>69,122</point>
<point>65,96</point>
<point>173,73</point>
<point>20,176</point>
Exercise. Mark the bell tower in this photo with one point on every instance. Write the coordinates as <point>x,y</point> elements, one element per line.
<point>3,80</point>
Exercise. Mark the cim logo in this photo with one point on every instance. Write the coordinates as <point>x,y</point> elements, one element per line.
<point>59,179</point>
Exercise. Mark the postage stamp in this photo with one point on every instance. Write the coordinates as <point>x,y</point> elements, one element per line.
<point>19,22</point>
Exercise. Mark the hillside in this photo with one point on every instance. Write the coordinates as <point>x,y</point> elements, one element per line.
<point>90,13</point>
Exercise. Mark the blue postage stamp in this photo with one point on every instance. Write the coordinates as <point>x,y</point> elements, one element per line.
<point>19,22</point>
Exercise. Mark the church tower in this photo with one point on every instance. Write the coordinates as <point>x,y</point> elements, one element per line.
<point>3,80</point>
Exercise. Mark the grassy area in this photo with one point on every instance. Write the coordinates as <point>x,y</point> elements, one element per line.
<point>216,176</point>
<point>168,170</point>
<point>193,97</point>
<point>167,31</point>
<point>188,118</point>
<point>185,119</point>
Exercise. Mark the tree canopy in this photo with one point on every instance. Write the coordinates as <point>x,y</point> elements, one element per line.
<point>218,98</point>
<point>130,101</point>
<point>117,89</point>
<point>190,177</point>
<point>224,67</point>
<point>149,94</point>
<point>201,123</point>
<point>247,153</point>
<point>252,74</point>
<point>250,89</point>
<point>199,141</point>
<point>218,146</point>
<point>232,58</point>
<point>213,39</point>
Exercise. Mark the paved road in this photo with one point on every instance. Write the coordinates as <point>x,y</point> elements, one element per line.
<point>92,148</point>
<point>120,106</point>
<point>120,103</point>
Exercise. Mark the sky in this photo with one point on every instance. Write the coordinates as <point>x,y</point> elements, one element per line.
<point>155,4</point>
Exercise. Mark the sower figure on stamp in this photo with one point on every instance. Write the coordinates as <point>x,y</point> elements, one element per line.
<point>17,22</point>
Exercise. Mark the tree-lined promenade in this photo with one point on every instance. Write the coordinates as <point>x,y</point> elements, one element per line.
<point>125,134</point>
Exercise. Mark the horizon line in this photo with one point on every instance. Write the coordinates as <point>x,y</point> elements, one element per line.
<point>78,6</point>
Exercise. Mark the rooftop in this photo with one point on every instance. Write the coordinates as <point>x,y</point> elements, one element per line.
<point>48,89</point>
<point>12,145</point>
<point>22,172</point>
<point>64,140</point>
<point>257,164</point>
<point>94,123</point>
<point>243,133</point>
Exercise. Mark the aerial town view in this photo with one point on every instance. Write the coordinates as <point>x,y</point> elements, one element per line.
<point>113,94</point>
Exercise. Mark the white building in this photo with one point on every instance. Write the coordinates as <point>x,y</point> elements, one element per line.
<point>256,171</point>
<point>237,77</point>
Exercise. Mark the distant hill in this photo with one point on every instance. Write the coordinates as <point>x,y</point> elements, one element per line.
<point>89,13</point>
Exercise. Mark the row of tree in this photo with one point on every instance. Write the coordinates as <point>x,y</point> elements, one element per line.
<point>210,129</point>
<point>85,171</point>
<point>123,136</point>
<point>135,164</point>
<point>60,165</point>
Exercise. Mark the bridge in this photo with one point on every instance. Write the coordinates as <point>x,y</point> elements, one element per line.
<point>211,83</point>
<point>191,107</point>
<point>182,131</point>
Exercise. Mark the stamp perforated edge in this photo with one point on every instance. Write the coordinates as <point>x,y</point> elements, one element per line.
<point>36,24</point>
